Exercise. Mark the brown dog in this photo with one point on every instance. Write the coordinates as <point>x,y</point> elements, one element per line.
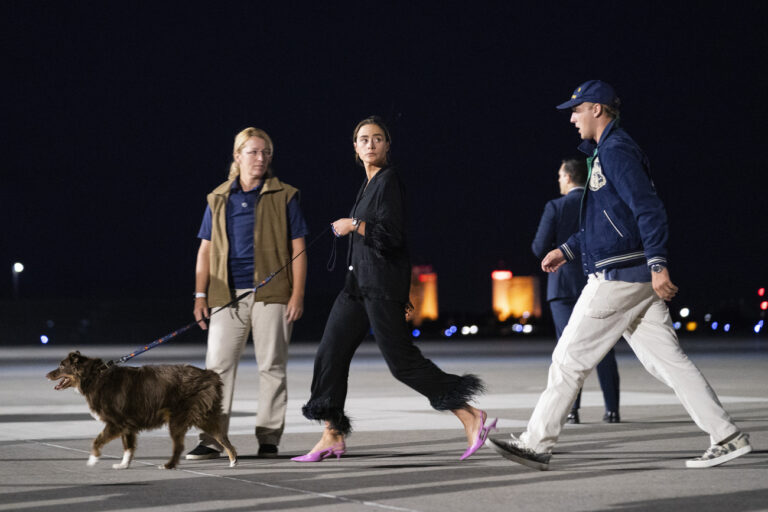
<point>129,399</point>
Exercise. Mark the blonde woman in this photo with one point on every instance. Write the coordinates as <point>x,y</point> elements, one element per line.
<point>252,205</point>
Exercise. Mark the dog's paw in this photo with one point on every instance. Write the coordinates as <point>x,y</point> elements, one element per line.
<point>92,460</point>
<point>121,466</point>
<point>233,463</point>
<point>166,466</point>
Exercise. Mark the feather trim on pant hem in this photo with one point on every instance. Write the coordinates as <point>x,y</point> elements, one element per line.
<point>466,389</point>
<point>323,411</point>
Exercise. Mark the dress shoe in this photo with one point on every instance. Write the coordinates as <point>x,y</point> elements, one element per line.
<point>267,451</point>
<point>573,417</point>
<point>202,452</point>
<point>611,417</point>
<point>338,450</point>
<point>482,435</point>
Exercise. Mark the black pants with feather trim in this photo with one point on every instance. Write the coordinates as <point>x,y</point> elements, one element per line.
<point>346,328</point>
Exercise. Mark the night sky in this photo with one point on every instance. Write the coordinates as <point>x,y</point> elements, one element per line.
<point>118,120</point>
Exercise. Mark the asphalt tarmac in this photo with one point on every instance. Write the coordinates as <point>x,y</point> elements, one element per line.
<point>402,455</point>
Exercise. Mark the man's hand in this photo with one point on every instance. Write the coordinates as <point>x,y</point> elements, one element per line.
<point>294,309</point>
<point>553,261</point>
<point>662,285</point>
<point>201,311</point>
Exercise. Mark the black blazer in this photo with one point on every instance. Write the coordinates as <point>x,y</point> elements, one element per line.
<point>378,263</point>
<point>558,222</point>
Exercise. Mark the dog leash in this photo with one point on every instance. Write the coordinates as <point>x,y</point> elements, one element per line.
<point>237,299</point>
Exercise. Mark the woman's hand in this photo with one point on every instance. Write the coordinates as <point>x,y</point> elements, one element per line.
<point>295,308</point>
<point>201,312</point>
<point>343,227</point>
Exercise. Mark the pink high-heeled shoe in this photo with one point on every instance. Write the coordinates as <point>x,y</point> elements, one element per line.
<point>482,435</point>
<point>338,450</point>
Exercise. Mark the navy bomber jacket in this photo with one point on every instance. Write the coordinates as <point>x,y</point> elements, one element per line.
<point>622,221</point>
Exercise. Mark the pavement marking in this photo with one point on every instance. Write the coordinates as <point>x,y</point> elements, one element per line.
<point>57,502</point>
<point>231,478</point>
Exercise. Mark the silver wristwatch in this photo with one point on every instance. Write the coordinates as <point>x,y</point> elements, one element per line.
<point>657,267</point>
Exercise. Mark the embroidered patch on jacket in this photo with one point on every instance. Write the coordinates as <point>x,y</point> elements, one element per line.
<point>597,179</point>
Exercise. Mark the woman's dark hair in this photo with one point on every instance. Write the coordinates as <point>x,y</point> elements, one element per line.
<point>576,169</point>
<point>378,121</point>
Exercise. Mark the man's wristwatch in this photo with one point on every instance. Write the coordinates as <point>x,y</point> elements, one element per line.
<point>355,224</point>
<point>657,267</point>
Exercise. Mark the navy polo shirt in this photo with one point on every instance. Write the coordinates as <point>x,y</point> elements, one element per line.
<point>241,217</point>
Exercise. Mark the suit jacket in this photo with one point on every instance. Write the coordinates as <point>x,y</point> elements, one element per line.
<point>558,222</point>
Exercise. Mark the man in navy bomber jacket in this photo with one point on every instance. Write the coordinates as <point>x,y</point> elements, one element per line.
<point>622,240</point>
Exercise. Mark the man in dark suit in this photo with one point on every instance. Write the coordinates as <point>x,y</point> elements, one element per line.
<point>559,221</point>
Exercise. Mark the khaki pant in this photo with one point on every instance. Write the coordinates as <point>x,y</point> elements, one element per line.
<point>605,311</point>
<point>227,334</point>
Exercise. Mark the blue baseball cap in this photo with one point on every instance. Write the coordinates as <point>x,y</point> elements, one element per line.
<point>594,91</point>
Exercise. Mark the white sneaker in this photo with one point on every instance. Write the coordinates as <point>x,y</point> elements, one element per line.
<point>516,451</point>
<point>720,453</point>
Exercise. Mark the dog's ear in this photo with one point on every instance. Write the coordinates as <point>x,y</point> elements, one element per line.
<point>74,357</point>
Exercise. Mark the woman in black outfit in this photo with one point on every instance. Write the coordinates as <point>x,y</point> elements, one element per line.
<point>376,291</point>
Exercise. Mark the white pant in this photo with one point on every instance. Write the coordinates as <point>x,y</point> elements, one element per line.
<point>605,311</point>
<point>227,334</point>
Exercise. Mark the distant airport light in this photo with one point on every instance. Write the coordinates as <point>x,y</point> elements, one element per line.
<point>517,328</point>
<point>684,312</point>
<point>757,328</point>
<point>677,325</point>
<point>764,305</point>
<point>707,317</point>
<point>18,267</point>
<point>514,296</point>
<point>501,275</point>
<point>465,330</point>
<point>691,326</point>
<point>44,339</point>
<point>727,327</point>
<point>761,292</point>
<point>473,329</point>
<point>423,294</point>
<point>527,329</point>
<point>416,333</point>
<point>714,326</point>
